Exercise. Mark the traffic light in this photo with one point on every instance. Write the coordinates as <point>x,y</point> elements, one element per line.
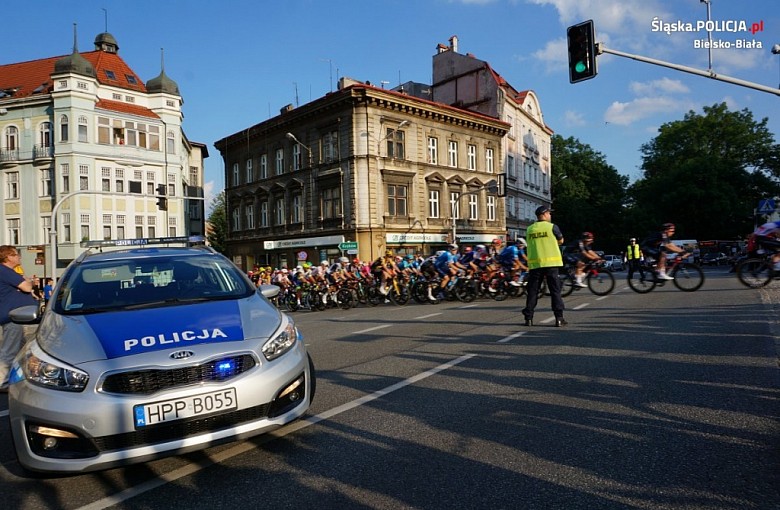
<point>162,202</point>
<point>582,52</point>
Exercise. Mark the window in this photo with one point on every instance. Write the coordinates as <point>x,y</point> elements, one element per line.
<point>250,176</point>
<point>131,134</point>
<point>433,204</point>
<point>279,161</point>
<point>172,226</point>
<point>235,174</point>
<point>65,172</point>
<point>331,202</point>
<point>66,227</point>
<point>104,130</point>
<point>85,227</point>
<point>46,227</point>
<point>83,177</point>
<point>510,205</point>
<point>489,164</point>
<point>473,207</point>
<point>491,208</point>
<point>395,143</point>
<point>170,141</point>
<point>455,205</point>
<point>110,75</point>
<point>116,97</point>
<point>14,231</point>
<point>194,176</point>
<point>131,79</point>
<point>330,147</point>
<point>11,138</point>
<point>249,215</point>
<point>396,200</point>
<point>264,213</point>
<point>279,211</point>
<point>120,231</point>
<point>44,134</point>
<point>433,150</point>
<point>452,154</point>
<point>264,166</point>
<point>82,128</point>
<point>297,208</point>
<point>64,128</point>
<point>154,138</point>
<point>472,157</point>
<point>510,166</point>
<point>120,180</point>
<point>12,186</point>
<point>47,189</point>
<point>296,154</point>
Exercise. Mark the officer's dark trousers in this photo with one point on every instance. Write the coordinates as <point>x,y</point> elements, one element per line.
<point>535,277</point>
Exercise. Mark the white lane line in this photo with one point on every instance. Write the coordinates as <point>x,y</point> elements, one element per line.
<point>372,329</point>
<point>583,305</point>
<point>468,306</point>
<point>602,297</point>
<point>548,320</point>
<point>428,316</point>
<point>250,445</point>
<point>511,337</point>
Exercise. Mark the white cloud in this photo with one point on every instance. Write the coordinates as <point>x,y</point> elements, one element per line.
<point>625,114</point>
<point>619,17</point>
<point>664,85</point>
<point>554,55</point>
<point>573,119</point>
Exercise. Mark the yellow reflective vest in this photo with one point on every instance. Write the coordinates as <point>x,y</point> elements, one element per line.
<point>633,252</point>
<point>543,249</point>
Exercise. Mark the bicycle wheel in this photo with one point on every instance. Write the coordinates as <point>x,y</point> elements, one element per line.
<point>465,291</point>
<point>688,277</point>
<point>600,282</point>
<point>291,302</point>
<point>642,281</point>
<point>567,284</point>
<point>399,294</point>
<point>374,296</point>
<point>345,299</point>
<point>755,273</point>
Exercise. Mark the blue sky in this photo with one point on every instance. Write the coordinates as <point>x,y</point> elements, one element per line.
<point>238,62</point>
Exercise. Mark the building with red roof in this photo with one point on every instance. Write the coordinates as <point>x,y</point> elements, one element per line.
<point>85,144</point>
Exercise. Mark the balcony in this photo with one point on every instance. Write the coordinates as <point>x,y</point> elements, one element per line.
<point>9,156</point>
<point>43,153</point>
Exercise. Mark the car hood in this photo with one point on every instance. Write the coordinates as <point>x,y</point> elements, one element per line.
<point>99,336</point>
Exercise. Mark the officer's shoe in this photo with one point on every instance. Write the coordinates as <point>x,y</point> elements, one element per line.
<point>560,322</point>
<point>528,322</point>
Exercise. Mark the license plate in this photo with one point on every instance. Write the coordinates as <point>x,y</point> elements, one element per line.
<point>185,407</point>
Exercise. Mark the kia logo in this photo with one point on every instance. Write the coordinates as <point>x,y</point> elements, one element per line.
<point>182,354</point>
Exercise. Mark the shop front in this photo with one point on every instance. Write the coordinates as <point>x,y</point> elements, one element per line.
<point>293,252</point>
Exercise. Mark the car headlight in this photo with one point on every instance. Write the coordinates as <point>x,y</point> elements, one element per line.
<point>282,342</point>
<point>39,368</point>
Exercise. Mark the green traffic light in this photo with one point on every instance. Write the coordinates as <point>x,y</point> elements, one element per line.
<point>580,67</point>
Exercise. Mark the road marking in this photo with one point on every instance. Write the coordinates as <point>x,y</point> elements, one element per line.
<point>468,306</point>
<point>252,445</point>
<point>428,316</point>
<point>511,337</point>
<point>372,329</point>
<point>602,297</point>
<point>583,305</point>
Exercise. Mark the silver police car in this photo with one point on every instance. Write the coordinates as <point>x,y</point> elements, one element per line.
<point>150,352</point>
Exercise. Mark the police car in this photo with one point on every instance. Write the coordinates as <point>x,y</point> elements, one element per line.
<point>152,351</point>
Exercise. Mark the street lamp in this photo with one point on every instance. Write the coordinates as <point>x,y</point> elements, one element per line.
<point>776,50</point>
<point>291,136</point>
<point>491,186</point>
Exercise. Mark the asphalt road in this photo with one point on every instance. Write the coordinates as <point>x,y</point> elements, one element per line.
<point>663,400</point>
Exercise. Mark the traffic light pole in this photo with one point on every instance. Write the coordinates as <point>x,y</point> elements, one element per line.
<point>600,48</point>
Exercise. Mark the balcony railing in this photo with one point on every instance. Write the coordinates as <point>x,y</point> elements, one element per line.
<point>43,152</point>
<point>9,155</point>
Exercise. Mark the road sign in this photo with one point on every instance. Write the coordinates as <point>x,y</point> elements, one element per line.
<point>349,245</point>
<point>766,206</point>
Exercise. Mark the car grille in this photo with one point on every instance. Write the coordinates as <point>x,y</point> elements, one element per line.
<point>145,382</point>
<point>180,429</point>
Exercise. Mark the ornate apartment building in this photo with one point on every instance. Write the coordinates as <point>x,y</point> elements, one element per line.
<point>360,171</point>
<point>84,137</point>
<point>467,82</point>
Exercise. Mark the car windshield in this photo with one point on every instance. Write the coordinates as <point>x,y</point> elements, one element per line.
<point>127,284</point>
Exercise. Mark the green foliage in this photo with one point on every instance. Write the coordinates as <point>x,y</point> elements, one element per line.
<point>588,194</point>
<point>217,233</point>
<point>706,173</point>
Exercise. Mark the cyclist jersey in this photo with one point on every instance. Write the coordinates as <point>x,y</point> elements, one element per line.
<point>543,249</point>
<point>444,260</point>
<point>767,229</point>
<point>467,258</point>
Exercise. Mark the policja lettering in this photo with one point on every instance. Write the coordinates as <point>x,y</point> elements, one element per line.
<point>183,336</point>
<point>538,235</point>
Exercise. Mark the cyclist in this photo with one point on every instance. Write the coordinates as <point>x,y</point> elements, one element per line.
<point>383,269</point>
<point>512,259</point>
<point>447,264</point>
<point>767,236</point>
<point>585,255</point>
<point>658,245</point>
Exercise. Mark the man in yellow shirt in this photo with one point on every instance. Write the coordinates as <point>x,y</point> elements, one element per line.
<point>544,258</point>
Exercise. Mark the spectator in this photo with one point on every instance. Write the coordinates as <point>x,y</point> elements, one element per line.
<point>15,291</point>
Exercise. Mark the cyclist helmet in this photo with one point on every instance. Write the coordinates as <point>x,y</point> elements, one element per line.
<point>388,253</point>
<point>409,256</point>
<point>451,247</point>
<point>587,235</point>
<point>521,241</point>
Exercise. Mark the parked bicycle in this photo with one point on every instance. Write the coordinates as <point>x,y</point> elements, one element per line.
<point>688,277</point>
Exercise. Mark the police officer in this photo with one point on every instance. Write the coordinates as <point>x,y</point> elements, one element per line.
<point>634,258</point>
<point>544,259</point>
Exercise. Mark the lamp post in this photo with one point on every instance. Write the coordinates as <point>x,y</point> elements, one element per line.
<point>491,186</point>
<point>776,51</point>
<point>292,137</point>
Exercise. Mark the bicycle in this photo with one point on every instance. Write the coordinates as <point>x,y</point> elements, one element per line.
<point>598,278</point>
<point>757,272</point>
<point>688,276</point>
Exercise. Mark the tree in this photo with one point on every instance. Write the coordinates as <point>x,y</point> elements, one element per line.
<point>218,226</point>
<point>706,173</point>
<point>588,194</point>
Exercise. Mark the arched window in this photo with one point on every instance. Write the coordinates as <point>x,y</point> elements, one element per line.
<point>11,138</point>
<point>44,134</point>
<point>64,128</point>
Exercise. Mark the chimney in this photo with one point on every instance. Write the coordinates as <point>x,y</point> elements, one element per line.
<point>454,43</point>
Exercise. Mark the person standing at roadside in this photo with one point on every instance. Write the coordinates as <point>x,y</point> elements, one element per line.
<point>634,258</point>
<point>544,258</point>
<point>15,291</point>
